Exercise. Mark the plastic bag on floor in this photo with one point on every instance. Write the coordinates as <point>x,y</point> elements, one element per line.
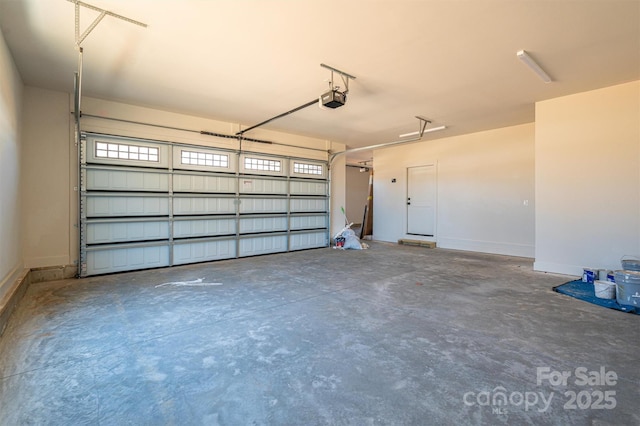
<point>350,240</point>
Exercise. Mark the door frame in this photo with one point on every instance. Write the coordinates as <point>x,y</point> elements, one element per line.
<point>406,197</point>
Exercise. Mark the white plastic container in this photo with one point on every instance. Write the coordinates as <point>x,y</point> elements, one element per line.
<point>604,289</point>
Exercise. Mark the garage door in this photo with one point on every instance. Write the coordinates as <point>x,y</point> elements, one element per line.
<point>147,204</point>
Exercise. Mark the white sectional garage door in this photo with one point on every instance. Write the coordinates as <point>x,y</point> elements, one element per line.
<point>147,204</point>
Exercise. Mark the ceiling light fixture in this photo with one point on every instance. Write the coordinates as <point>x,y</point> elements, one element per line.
<point>364,167</point>
<point>433,129</point>
<point>528,61</point>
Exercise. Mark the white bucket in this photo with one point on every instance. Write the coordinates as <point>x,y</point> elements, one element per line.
<point>605,289</point>
<point>628,287</point>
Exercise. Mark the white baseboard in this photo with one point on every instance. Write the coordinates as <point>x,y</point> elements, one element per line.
<point>13,287</point>
<point>493,247</point>
<point>557,268</point>
<point>15,284</point>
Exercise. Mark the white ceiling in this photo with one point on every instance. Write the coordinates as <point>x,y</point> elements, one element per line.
<point>244,61</point>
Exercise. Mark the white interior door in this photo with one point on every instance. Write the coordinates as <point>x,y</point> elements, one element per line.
<point>421,200</point>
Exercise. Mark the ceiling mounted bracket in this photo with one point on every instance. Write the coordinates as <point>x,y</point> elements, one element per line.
<point>422,129</point>
<point>345,78</point>
<point>80,37</point>
<point>416,136</point>
<point>423,124</point>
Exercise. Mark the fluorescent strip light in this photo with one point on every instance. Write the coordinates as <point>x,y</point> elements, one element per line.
<point>528,60</point>
<point>433,129</point>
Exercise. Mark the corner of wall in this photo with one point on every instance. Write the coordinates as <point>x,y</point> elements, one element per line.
<point>16,286</point>
<point>53,273</point>
<point>587,146</point>
<point>337,196</point>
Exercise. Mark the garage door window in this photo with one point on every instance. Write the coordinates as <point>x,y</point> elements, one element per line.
<point>307,169</point>
<point>205,159</point>
<point>262,164</point>
<point>126,152</point>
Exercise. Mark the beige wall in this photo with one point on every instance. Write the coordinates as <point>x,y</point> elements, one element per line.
<point>338,193</point>
<point>11,87</point>
<point>47,188</point>
<point>483,181</point>
<point>588,179</point>
<point>49,198</point>
<point>357,193</point>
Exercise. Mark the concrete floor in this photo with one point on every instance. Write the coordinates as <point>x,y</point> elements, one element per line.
<point>393,335</point>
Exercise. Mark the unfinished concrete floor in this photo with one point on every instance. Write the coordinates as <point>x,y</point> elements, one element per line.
<point>393,335</point>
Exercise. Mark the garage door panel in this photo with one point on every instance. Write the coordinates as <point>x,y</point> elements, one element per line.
<point>103,232</point>
<point>203,227</point>
<point>262,224</point>
<point>204,183</point>
<point>308,187</point>
<point>126,180</point>
<point>262,186</point>
<point>203,205</point>
<point>262,244</point>
<point>203,251</point>
<point>309,205</point>
<point>104,260</point>
<point>307,240</point>
<point>263,205</point>
<point>313,221</point>
<point>115,205</point>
